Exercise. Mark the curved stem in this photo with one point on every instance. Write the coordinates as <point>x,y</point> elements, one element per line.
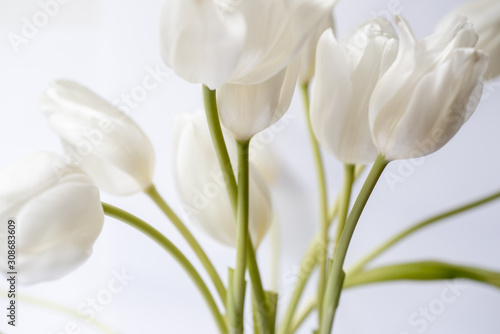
<point>337,275</point>
<point>167,245</point>
<point>191,240</point>
<point>209,98</point>
<point>394,240</point>
<point>422,271</point>
<point>303,314</point>
<point>210,101</point>
<point>236,316</point>
<point>344,202</point>
<point>323,204</point>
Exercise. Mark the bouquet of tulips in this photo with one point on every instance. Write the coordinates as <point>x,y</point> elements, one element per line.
<point>376,95</point>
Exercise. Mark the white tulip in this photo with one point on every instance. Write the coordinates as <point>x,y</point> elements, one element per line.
<point>346,74</point>
<point>245,110</point>
<point>485,15</point>
<point>101,139</point>
<point>429,92</point>
<point>235,41</point>
<point>308,53</point>
<point>201,186</point>
<point>57,218</point>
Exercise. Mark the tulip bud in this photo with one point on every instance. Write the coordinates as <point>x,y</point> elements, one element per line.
<point>485,15</point>
<point>346,74</point>
<point>429,92</point>
<point>101,139</point>
<point>57,218</point>
<point>242,42</point>
<point>247,109</point>
<point>201,186</point>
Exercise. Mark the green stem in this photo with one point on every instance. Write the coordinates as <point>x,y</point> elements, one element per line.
<point>337,275</point>
<point>209,97</point>
<point>307,265</point>
<point>422,271</point>
<point>210,101</point>
<point>394,240</point>
<point>303,314</point>
<point>323,201</point>
<point>167,245</point>
<point>236,324</point>
<point>191,240</point>
<point>344,202</point>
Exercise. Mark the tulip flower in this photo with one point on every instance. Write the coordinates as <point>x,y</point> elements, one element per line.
<point>248,109</point>
<point>346,74</point>
<point>485,15</point>
<point>308,53</point>
<point>56,218</point>
<point>242,42</point>
<point>201,184</point>
<point>101,139</point>
<point>429,92</point>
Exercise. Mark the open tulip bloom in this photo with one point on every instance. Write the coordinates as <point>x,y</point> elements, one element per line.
<point>377,95</point>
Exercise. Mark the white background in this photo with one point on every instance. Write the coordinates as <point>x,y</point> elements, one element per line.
<point>108,46</point>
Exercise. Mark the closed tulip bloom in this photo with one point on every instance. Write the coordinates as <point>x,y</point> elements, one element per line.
<point>429,92</point>
<point>248,109</point>
<point>485,15</point>
<point>346,74</point>
<point>57,218</point>
<point>201,186</point>
<point>235,41</point>
<point>101,139</point>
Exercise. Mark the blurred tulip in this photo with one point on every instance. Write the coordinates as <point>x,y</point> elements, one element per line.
<point>485,15</point>
<point>429,92</point>
<point>346,74</point>
<point>201,184</point>
<point>57,218</point>
<point>248,109</point>
<point>236,41</point>
<point>102,140</point>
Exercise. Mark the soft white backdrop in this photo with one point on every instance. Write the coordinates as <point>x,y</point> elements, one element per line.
<point>110,46</point>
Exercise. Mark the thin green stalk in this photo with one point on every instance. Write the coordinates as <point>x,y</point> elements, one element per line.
<point>167,245</point>
<point>421,271</point>
<point>210,101</point>
<point>209,97</point>
<point>333,209</point>
<point>394,240</point>
<point>236,324</point>
<point>337,275</point>
<point>303,314</point>
<point>344,202</point>
<point>308,264</point>
<point>191,240</point>
<point>323,200</point>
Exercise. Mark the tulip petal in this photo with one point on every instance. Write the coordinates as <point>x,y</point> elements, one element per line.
<point>105,142</point>
<point>331,92</point>
<point>202,40</point>
<point>247,109</point>
<point>61,236</point>
<point>201,186</point>
<point>296,21</point>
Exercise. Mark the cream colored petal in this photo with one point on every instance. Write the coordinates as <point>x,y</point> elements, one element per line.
<point>202,40</point>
